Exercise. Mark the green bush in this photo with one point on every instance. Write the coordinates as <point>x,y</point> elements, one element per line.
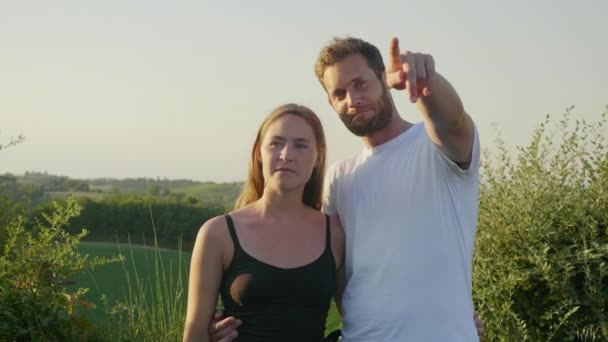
<point>36,303</point>
<point>541,254</point>
<point>9,213</point>
<point>130,217</point>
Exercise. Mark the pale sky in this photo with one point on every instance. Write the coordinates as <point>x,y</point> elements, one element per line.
<point>177,89</point>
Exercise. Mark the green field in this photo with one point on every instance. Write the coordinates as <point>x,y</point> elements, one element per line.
<point>118,281</point>
<point>157,271</point>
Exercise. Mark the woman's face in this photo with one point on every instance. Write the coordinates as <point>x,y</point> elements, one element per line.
<point>288,153</point>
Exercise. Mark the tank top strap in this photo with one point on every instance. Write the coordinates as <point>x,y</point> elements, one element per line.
<point>235,239</point>
<point>327,234</point>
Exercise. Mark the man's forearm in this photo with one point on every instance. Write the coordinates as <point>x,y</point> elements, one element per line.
<point>443,107</point>
<point>446,122</point>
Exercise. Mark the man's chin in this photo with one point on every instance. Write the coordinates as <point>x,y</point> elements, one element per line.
<point>360,125</point>
<point>359,131</point>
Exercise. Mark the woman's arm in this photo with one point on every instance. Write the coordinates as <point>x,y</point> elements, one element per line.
<point>206,268</point>
<point>337,246</point>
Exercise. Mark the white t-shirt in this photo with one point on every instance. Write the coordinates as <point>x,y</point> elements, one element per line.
<point>410,216</point>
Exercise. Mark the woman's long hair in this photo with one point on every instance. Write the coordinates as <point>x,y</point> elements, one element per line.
<point>313,190</point>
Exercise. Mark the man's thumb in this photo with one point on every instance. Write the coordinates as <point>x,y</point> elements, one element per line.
<point>395,79</point>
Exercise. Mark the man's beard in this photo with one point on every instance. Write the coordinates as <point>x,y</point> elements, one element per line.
<point>382,115</point>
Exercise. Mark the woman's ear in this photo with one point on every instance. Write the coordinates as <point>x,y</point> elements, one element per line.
<point>258,155</point>
<point>320,157</point>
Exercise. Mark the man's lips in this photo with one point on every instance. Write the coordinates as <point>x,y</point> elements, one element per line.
<point>360,111</point>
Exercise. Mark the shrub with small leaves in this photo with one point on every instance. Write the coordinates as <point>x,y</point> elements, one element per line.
<point>36,300</point>
<point>541,254</point>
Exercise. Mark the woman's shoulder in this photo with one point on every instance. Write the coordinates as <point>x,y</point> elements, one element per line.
<point>334,221</point>
<point>336,228</point>
<point>214,229</point>
<point>244,216</point>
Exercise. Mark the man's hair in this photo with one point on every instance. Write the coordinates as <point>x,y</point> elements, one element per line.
<point>340,48</point>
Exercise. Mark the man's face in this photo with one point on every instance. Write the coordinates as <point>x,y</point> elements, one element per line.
<point>361,99</point>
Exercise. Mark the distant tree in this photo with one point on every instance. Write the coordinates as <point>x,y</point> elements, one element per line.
<point>12,142</point>
<point>154,190</point>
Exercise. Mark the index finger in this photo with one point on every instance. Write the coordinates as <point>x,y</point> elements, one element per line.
<point>410,82</point>
<point>395,59</point>
<point>223,324</point>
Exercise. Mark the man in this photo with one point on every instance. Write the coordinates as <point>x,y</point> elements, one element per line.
<point>407,201</point>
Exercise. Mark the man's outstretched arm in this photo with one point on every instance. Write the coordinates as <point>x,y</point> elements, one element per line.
<point>445,120</point>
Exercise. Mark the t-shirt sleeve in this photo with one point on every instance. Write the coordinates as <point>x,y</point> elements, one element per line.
<point>475,156</point>
<point>329,192</point>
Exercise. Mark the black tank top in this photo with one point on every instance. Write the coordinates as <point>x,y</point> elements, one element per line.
<point>277,304</point>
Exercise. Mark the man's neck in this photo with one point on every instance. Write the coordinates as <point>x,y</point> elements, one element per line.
<point>395,127</point>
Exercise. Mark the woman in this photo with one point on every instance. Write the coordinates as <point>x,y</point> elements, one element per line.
<point>274,259</point>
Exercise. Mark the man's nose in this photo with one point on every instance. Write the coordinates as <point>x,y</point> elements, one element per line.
<point>354,99</point>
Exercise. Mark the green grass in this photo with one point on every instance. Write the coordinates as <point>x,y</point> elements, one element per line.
<point>333,319</point>
<point>148,278</point>
<point>118,281</point>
